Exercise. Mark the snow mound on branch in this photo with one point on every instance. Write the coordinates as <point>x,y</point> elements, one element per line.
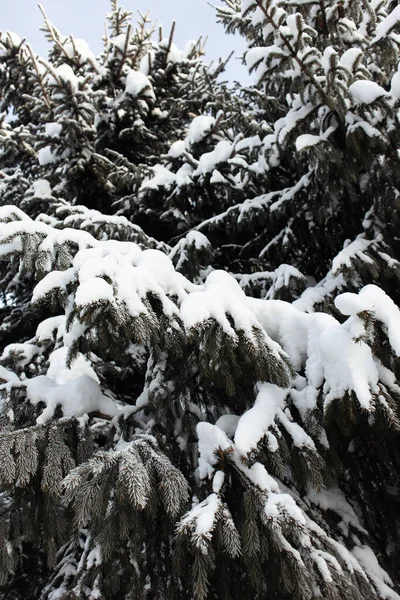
<point>137,84</point>
<point>350,57</point>
<point>46,329</point>
<point>204,515</point>
<point>80,48</point>
<point>66,75</point>
<point>199,128</point>
<point>210,160</point>
<point>94,291</point>
<point>211,439</point>
<point>366,92</point>
<point>369,562</point>
<point>385,26</point>
<point>76,398</point>
<point>53,129</point>
<point>26,350</point>
<point>220,295</point>
<point>372,298</point>
<point>228,424</point>
<point>174,54</point>
<point>60,373</point>
<point>327,350</point>
<point>307,140</point>
<point>46,156</point>
<point>13,37</point>
<point>334,499</point>
<point>151,271</point>
<point>254,424</point>
<point>268,409</point>
<point>162,178</point>
<point>41,188</point>
<point>9,377</point>
<point>347,366</point>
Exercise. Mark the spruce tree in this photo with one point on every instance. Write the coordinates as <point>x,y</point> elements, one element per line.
<point>200,332</point>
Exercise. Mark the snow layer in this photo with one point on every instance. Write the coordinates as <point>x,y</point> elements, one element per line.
<point>199,128</point>
<point>76,398</point>
<point>254,424</point>
<point>210,160</point>
<point>137,84</point>
<point>211,439</point>
<point>60,373</point>
<point>372,298</point>
<point>366,92</point>
<point>387,24</point>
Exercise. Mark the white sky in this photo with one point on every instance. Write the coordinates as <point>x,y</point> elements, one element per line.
<point>85,19</point>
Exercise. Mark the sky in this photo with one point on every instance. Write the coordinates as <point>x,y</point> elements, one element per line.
<point>85,19</point>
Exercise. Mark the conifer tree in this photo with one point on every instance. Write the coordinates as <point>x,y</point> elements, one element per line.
<point>172,424</point>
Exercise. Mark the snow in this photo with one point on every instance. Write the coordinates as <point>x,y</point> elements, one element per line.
<point>41,188</point>
<point>76,398</point>
<point>216,177</point>
<point>307,140</point>
<point>366,92</point>
<point>9,377</point>
<point>279,503</point>
<point>322,565</point>
<point>211,439</point>
<point>254,424</point>
<point>119,41</point>
<point>94,291</point>
<point>133,274</point>
<point>46,329</point>
<point>258,475</point>
<point>228,424</point>
<point>284,126</point>
<point>220,296</point>
<point>53,129</point>
<point>137,84</point>
<point>184,175</point>
<point>326,349</point>
<point>348,366</point>
<point>199,128</point>
<point>372,298</point>
<point>386,25</point>
<point>46,156</point>
<point>174,55</point>
<point>78,47</point>
<point>284,324</point>
<point>177,149</point>
<point>189,47</point>
<point>334,499</point>
<point>218,481</point>
<point>197,239</point>
<point>210,160</point>
<point>204,515</point>
<point>65,74</point>
<point>27,351</point>
<point>256,55</point>
<point>13,37</point>
<point>60,373</point>
<point>162,177</point>
<point>368,560</point>
<point>54,280</point>
<point>350,58</point>
<point>300,438</point>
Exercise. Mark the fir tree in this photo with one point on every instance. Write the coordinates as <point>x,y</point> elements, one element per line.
<point>172,424</point>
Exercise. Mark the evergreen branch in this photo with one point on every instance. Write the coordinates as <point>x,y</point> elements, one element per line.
<point>171,37</point>
<point>40,79</point>
<point>327,101</point>
<point>125,50</point>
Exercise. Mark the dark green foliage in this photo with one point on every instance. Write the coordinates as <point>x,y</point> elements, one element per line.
<point>199,329</point>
